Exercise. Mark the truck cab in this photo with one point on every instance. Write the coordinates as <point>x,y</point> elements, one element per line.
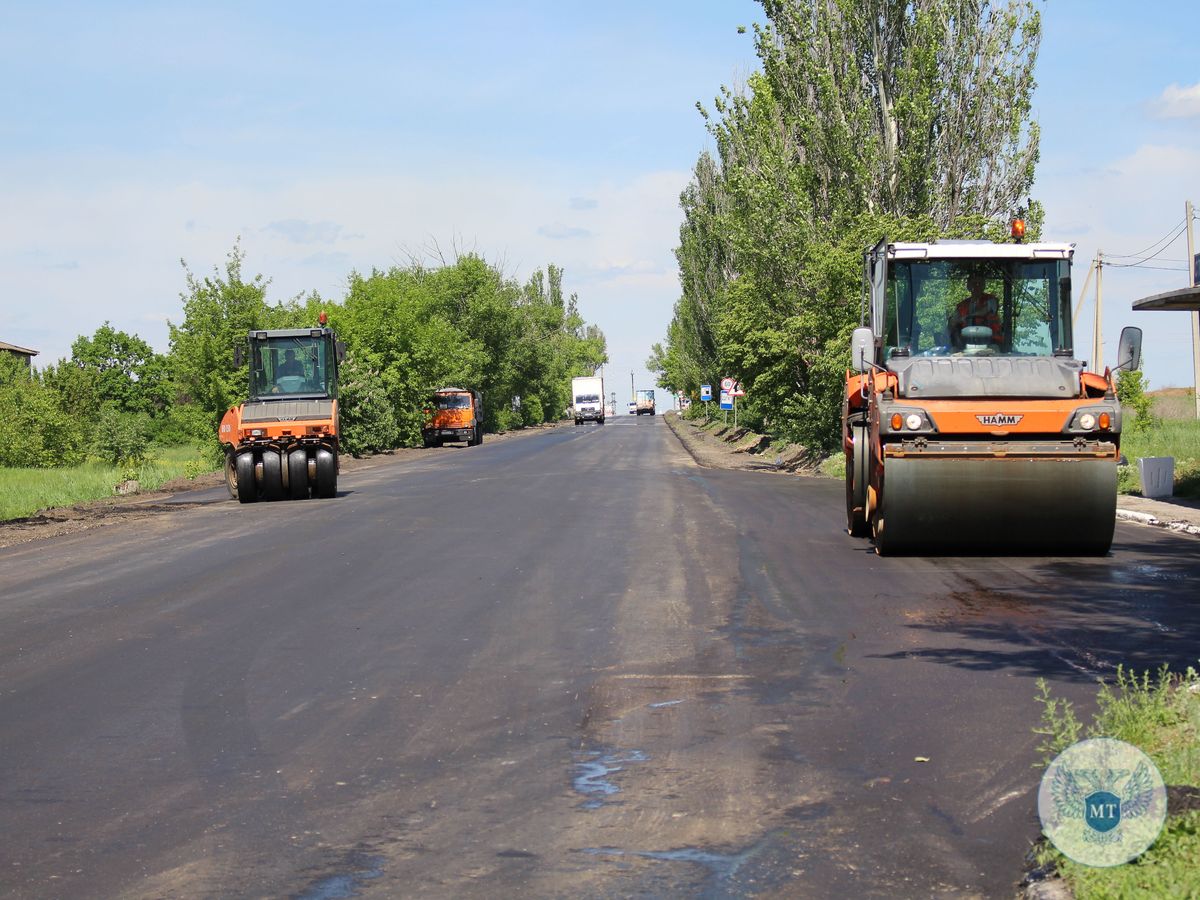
<point>453,414</point>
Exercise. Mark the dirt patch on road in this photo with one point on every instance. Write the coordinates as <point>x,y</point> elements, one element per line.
<point>724,447</point>
<point>47,523</point>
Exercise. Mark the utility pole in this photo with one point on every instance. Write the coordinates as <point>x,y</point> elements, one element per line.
<point>1097,342</point>
<point>632,392</point>
<point>1189,214</point>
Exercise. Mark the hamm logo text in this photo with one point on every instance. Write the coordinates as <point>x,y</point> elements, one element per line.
<point>999,419</point>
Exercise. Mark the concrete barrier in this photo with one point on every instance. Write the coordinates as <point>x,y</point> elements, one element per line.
<point>1158,475</point>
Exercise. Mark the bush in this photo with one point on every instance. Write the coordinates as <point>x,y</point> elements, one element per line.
<point>1131,391</point>
<point>368,422</point>
<point>121,437</point>
<point>38,432</point>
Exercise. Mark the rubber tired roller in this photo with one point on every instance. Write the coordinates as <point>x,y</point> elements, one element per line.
<point>282,443</point>
<point>969,424</point>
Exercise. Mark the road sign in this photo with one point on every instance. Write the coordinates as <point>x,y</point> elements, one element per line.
<point>706,392</point>
<point>737,390</point>
<point>726,400</point>
<point>727,384</point>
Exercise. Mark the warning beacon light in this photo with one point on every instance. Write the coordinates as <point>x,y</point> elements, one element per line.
<point>1018,229</point>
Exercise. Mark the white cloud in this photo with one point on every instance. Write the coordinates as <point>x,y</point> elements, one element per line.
<point>1178,102</point>
<point>301,232</point>
<point>128,236</point>
<point>558,232</point>
<point>582,203</point>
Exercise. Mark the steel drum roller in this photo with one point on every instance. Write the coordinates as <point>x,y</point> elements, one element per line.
<point>989,504</point>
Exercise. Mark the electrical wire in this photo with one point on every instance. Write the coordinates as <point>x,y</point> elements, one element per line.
<point>1170,237</point>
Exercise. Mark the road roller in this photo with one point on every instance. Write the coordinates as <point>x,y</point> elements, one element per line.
<point>282,443</point>
<point>969,425</point>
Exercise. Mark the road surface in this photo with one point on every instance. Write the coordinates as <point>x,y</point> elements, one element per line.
<point>568,664</point>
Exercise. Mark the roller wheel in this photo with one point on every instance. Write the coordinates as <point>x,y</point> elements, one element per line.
<point>231,474</point>
<point>247,490</point>
<point>856,483</point>
<point>326,486</point>
<point>272,475</point>
<point>298,475</point>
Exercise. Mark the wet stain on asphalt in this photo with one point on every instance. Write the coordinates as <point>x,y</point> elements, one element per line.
<point>591,770</point>
<point>345,884</point>
<point>762,865</point>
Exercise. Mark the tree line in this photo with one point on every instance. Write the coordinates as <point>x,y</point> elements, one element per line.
<point>408,330</point>
<point>905,119</point>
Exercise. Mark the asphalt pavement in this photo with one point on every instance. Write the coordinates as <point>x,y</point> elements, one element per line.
<point>573,664</point>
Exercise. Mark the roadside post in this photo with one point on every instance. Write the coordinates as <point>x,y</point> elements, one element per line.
<point>736,391</point>
<point>726,404</point>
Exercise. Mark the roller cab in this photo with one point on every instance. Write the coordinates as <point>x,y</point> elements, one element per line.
<point>282,443</point>
<point>968,423</point>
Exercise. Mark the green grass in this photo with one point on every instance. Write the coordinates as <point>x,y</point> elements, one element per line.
<point>1179,438</point>
<point>1161,716</point>
<point>24,491</point>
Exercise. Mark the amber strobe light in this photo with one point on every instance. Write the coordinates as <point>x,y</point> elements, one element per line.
<point>1018,229</point>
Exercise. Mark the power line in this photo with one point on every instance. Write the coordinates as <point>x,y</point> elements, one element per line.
<point>1170,238</point>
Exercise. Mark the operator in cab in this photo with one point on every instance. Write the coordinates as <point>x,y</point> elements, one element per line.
<point>979,308</point>
<point>290,365</point>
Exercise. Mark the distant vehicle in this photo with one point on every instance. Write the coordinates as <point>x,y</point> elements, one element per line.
<point>632,408</point>
<point>586,400</point>
<point>282,443</point>
<point>453,414</point>
<point>645,402</point>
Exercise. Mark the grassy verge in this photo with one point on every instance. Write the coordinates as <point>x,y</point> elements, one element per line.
<point>24,491</point>
<point>1161,716</point>
<point>1179,438</point>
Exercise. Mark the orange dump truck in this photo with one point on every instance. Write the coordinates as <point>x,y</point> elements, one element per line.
<point>282,443</point>
<point>968,423</point>
<point>453,414</point>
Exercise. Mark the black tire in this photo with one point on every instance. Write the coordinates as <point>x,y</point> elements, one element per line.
<point>478,435</point>
<point>272,475</point>
<point>231,474</point>
<point>326,485</point>
<point>298,475</point>
<point>247,490</point>
<point>857,473</point>
<point>427,441</point>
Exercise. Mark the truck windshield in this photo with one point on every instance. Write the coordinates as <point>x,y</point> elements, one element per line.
<point>587,398</point>
<point>972,307</point>
<point>291,366</point>
<point>452,401</point>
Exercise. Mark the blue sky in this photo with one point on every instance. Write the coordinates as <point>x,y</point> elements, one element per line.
<point>355,136</point>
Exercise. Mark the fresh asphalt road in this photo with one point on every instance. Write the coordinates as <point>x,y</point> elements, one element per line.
<point>567,664</point>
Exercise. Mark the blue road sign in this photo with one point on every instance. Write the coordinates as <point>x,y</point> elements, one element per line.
<point>726,400</point>
<point>706,392</point>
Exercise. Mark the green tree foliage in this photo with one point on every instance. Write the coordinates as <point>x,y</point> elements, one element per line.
<point>218,311</point>
<point>1138,405</point>
<point>868,119</point>
<point>39,433</point>
<point>466,325</point>
<point>368,419</point>
<point>121,438</point>
<point>130,375</point>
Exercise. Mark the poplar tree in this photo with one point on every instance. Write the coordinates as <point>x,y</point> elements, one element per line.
<point>868,118</point>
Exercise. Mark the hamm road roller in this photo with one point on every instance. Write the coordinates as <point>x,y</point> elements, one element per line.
<point>969,424</point>
<point>282,443</point>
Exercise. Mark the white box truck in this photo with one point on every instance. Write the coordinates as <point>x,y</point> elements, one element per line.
<point>587,399</point>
